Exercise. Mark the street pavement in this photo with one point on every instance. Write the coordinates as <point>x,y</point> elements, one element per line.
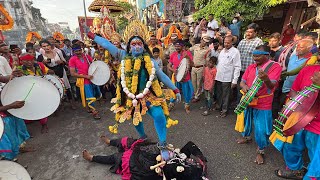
<point>59,157</point>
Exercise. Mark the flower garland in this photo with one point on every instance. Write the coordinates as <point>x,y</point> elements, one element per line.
<point>8,21</point>
<point>135,79</point>
<point>30,35</point>
<point>129,102</point>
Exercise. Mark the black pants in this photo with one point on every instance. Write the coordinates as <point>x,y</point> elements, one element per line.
<point>223,95</point>
<point>112,159</point>
<point>189,149</point>
<point>278,100</point>
<point>239,95</point>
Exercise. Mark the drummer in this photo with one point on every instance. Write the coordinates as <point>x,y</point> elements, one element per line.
<point>186,85</point>
<point>31,67</point>
<point>79,66</point>
<point>15,131</point>
<point>260,115</point>
<point>309,137</point>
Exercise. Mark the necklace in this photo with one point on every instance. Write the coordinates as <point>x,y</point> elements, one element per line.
<point>128,92</point>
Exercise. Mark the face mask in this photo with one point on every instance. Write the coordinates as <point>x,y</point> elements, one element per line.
<point>234,21</point>
<point>136,50</point>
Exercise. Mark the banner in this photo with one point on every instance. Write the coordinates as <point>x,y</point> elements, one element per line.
<point>81,21</point>
<point>143,4</point>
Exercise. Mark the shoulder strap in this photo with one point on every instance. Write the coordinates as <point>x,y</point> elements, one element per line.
<point>268,67</point>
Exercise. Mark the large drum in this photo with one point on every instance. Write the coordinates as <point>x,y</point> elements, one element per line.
<point>298,112</point>
<point>13,171</point>
<point>182,70</point>
<point>41,97</point>
<point>57,82</point>
<point>100,72</point>
<point>1,127</point>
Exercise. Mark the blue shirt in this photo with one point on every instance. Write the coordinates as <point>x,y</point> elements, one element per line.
<point>235,28</point>
<point>294,63</point>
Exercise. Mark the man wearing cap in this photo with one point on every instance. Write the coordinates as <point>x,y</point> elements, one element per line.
<point>228,72</point>
<point>185,84</point>
<point>200,56</point>
<point>31,67</point>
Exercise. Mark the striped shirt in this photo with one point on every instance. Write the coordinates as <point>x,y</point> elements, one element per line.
<point>246,47</point>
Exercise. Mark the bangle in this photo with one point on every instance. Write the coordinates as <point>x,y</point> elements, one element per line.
<point>176,91</point>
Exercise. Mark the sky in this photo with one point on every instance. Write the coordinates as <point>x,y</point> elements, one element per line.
<point>62,10</point>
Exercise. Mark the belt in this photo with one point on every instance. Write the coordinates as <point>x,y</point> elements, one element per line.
<point>199,66</point>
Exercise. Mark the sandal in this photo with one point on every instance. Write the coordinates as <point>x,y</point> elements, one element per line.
<point>223,115</point>
<point>289,174</point>
<point>244,140</point>
<point>187,108</point>
<point>260,157</point>
<point>96,115</point>
<point>205,113</point>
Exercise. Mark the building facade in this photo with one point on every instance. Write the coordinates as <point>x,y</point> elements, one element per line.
<point>26,18</point>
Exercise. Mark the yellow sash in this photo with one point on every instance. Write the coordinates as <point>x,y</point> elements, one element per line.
<point>80,84</point>
<point>240,117</point>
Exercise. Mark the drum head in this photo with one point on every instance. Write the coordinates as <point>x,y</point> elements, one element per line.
<point>41,97</point>
<point>1,128</point>
<point>13,171</point>
<point>100,72</point>
<point>55,80</point>
<point>182,69</point>
<point>298,114</point>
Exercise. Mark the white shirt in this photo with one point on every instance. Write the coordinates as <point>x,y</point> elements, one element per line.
<point>214,25</point>
<point>5,68</point>
<point>229,65</point>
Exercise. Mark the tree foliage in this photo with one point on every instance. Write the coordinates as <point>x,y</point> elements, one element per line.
<point>121,21</point>
<point>249,9</point>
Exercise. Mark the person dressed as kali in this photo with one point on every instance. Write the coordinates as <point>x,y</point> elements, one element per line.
<point>138,85</point>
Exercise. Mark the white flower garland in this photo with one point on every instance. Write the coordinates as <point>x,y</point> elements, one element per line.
<point>127,91</point>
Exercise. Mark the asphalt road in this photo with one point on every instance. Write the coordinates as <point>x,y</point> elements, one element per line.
<point>58,155</point>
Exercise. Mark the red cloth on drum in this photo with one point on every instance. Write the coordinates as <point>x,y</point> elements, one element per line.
<point>42,121</point>
<point>175,59</point>
<point>81,65</point>
<point>303,80</point>
<point>249,76</point>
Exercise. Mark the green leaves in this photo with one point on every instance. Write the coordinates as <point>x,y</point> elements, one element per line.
<point>249,9</point>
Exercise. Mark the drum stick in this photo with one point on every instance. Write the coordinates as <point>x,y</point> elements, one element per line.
<point>29,92</point>
<point>157,165</point>
<point>94,71</point>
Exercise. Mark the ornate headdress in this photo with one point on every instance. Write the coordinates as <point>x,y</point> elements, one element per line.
<point>136,28</point>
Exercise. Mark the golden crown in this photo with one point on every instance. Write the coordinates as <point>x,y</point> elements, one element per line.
<point>136,28</point>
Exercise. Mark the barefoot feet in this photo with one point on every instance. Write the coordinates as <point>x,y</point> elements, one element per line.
<point>86,155</point>
<point>105,139</point>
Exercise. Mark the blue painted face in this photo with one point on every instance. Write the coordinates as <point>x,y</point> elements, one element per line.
<point>136,46</point>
